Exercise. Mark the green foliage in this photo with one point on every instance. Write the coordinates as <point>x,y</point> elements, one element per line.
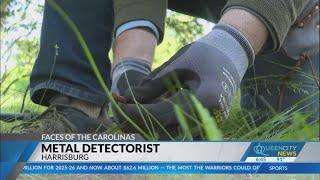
<point>209,124</point>
<point>183,123</point>
<point>5,10</point>
<point>14,82</point>
<point>185,28</point>
<point>180,29</point>
<point>19,48</point>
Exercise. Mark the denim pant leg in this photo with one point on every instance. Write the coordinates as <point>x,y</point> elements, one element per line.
<point>275,81</point>
<point>61,66</point>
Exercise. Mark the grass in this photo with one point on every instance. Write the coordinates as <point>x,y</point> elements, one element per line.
<point>288,125</point>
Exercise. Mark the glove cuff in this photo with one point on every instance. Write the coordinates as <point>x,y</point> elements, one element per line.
<point>128,64</point>
<point>240,38</point>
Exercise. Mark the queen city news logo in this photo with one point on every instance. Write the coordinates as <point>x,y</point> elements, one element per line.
<point>276,149</point>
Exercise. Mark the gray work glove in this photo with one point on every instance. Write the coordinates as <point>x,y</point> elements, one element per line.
<point>128,72</point>
<point>210,68</point>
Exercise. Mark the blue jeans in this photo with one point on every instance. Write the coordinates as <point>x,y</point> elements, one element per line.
<point>61,66</point>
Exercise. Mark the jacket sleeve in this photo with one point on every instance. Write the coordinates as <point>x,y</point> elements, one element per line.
<point>277,15</point>
<point>126,11</point>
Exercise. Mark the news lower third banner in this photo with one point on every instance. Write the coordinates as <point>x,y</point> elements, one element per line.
<point>129,154</point>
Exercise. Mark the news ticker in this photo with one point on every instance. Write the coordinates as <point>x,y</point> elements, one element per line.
<point>129,154</point>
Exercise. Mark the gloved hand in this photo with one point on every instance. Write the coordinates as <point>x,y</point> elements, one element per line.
<point>211,68</point>
<point>128,72</point>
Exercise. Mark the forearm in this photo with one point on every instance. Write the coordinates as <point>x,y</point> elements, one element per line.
<point>277,15</point>
<point>249,25</point>
<point>138,43</point>
<point>133,55</point>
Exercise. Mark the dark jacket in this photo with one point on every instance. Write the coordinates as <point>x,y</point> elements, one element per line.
<point>277,15</point>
